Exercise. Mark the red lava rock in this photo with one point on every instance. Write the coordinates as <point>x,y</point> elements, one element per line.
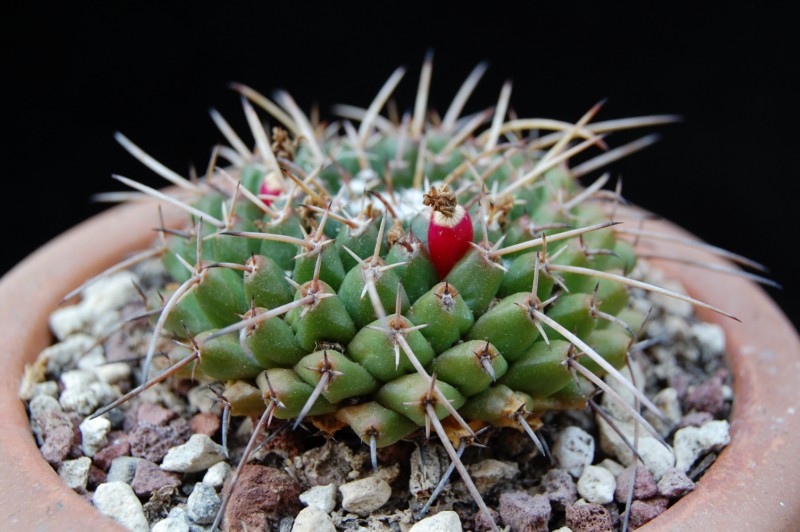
<point>674,483</point>
<point>152,442</point>
<point>695,419</point>
<point>680,381</point>
<point>524,513</point>
<point>149,478</point>
<point>205,423</point>
<point>707,397</point>
<point>96,477</point>
<point>560,488</point>
<point>154,414</point>
<point>589,518</point>
<point>118,446</point>
<point>287,443</point>
<point>481,524</point>
<point>263,495</point>
<point>644,511</point>
<point>58,436</point>
<point>644,486</point>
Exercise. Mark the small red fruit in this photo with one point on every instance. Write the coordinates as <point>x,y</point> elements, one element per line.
<point>449,230</point>
<point>272,185</point>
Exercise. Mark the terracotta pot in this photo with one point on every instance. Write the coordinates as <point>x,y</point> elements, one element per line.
<point>755,483</point>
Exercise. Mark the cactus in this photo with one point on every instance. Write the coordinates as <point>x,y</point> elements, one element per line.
<point>393,276</point>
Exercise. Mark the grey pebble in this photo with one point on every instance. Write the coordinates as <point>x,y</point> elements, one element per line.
<point>75,473</point>
<point>123,469</point>
<point>198,454</point>
<point>490,472</point>
<point>674,483</point>
<point>203,504</point>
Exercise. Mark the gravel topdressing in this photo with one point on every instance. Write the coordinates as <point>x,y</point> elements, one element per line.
<point>158,461</point>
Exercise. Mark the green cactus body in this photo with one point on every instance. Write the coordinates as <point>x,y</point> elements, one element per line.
<point>360,325</point>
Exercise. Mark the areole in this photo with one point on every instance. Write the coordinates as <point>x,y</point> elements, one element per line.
<point>753,485</point>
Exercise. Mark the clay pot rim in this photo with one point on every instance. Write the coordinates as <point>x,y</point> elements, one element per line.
<point>754,484</point>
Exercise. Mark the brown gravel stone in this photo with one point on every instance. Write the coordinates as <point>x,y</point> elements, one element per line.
<point>707,397</point>
<point>58,435</point>
<point>481,524</point>
<point>96,477</point>
<point>695,419</point>
<point>149,478</point>
<point>205,423</point>
<point>263,495</point>
<point>559,488</point>
<point>118,446</point>
<point>644,511</point>
<point>154,414</point>
<point>152,442</point>
<point>674,483</point>
<point>589,518</point>
<point>644,486</point>
<point>524,513</point>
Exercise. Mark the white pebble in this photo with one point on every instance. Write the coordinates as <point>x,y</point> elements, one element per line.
<point>92,360</point>
<point>49,388</point>
<point>657,458</point>
<point>613,406</point>
<point>710,336</point>
<point>80,400</point>
<point>113,373</point>
<point>615,467</point>
<point>197,454</point>
<point>320,497</point>
<point>445,521</point>
<point>692,442</point>
<point>111,292</point>
<point>66,321</point>
<point>573,449</point>
<point>667,402</point>
<point>312,519</point>
<point>217,474</point>
<point>105,393</point>
<point>364,496</point>
<point>117,501</point>
<point>75,473</point>
<point>203,504</point>
<point>77,378</point>
<point>94,434</point>
<point>597,484</point>
<point>171,524</point>
<point>67,352</point>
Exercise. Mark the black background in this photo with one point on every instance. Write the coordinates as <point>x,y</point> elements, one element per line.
<point>73,76</point>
